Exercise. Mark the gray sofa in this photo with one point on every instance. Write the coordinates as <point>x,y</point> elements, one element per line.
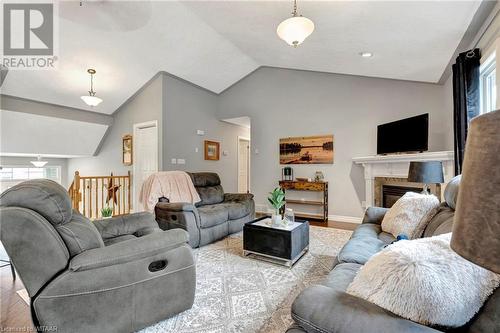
<point>217,215</point>
<point>327,308</point>
<point>114,275</point>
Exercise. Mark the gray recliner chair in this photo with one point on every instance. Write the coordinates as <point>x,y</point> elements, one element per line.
<point>115,275</point>
<point>217,215</point>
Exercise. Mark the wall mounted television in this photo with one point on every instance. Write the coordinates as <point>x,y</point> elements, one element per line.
<point>404,136</point>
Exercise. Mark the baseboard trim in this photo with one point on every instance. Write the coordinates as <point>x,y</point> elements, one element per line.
<point>348,219</point>
<point>338,218</point>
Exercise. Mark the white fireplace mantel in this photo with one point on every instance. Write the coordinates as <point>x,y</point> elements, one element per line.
<point>398,165</point>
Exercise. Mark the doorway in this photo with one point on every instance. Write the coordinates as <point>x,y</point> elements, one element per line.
<point>145,157</point>
<point>243,165</point>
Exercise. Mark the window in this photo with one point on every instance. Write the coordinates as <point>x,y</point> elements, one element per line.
<point>488,86</point>
<point>10,176</point>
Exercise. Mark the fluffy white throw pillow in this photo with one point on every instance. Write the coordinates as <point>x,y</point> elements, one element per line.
<point>410,214</point>
<point>424,280</point>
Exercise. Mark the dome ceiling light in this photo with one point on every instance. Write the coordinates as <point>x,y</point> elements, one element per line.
<point>295,29</point>
<point>91,99</point>
<point>39,163</point>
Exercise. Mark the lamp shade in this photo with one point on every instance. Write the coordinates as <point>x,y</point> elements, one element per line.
<point>476,226</point>
<point>429,172</point>
<point>295,30</point>
<point>91,100</point>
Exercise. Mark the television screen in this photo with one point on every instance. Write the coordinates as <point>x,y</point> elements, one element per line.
<point>406,135</point>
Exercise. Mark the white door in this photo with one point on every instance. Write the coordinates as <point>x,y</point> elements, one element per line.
<point>145,150</point>
<point>243,165</point>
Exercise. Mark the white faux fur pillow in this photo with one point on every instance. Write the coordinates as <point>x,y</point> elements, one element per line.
<point>424,280</point>
<point>410,214</point>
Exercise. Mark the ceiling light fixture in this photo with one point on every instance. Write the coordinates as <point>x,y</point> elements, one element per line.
<point>91,99</point>
<point>295,29</point>
<point>39,163</point>
<point>366,54</point>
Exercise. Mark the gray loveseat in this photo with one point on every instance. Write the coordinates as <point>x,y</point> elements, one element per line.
<point>217,215</point>
<point>115,275</point>
<point>327,308</point>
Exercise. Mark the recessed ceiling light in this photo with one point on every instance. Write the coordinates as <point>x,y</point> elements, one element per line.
<point>366,54</point>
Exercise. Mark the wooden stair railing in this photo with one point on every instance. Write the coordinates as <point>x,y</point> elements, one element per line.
<point>89,194</point>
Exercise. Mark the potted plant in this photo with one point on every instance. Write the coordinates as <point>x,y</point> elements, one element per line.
<point>277,200</point>
<point>106,212</point>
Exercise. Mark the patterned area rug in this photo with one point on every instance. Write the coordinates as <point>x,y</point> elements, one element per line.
<point>237,294</point>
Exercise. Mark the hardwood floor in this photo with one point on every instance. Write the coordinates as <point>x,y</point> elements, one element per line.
<point>15,313</point>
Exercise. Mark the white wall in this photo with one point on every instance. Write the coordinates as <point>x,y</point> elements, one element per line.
<point>283,103</point>
<point>187,109</point>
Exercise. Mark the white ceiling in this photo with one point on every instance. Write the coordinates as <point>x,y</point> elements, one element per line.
<point>31,135</point>
<point>215,44</point>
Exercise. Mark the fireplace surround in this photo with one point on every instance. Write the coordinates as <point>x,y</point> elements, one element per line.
<point>392,170</point>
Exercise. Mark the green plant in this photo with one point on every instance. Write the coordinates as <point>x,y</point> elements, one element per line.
<point>277,199</point>
<point>107,211</point>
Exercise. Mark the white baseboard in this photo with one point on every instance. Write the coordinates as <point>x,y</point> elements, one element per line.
<point>349,219</point>
<point>259,208</point>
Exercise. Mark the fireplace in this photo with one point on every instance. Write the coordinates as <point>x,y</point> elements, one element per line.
<point>389,189</point>
<point>391,193</point>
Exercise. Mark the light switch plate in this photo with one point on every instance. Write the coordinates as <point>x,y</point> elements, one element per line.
<point>181,161</point>
<point>173,161</point>
<point>200,132</point>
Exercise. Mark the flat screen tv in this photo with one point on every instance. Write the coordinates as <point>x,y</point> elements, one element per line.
<point>404,136</point>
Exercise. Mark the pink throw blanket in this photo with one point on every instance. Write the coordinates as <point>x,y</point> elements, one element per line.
<point>176,186</point>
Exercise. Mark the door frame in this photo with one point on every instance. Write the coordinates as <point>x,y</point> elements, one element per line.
<point>136,128</point>
<point>242,138</point>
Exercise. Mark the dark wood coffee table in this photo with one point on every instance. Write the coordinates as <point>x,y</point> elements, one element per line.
<point>282,245</point>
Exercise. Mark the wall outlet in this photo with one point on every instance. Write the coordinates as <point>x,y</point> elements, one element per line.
<point>200,132</point>
<point>181,161</point>
<point>173,161</point>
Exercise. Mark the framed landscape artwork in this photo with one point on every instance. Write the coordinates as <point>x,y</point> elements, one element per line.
<point>212,150</point>
<point>307,150</point>
<point>127,149</point>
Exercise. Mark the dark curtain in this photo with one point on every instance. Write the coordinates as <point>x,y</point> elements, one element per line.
<point>466,100</point>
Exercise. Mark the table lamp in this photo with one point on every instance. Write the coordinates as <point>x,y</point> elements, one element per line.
<point>476,226</point>
<point>429,172</point>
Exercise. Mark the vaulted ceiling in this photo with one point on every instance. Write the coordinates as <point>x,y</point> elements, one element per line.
<point>216,43</point>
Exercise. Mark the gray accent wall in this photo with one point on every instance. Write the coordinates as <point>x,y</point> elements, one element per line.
<point>283,103</point>
<point>144,106</point>
<point>188,108</point>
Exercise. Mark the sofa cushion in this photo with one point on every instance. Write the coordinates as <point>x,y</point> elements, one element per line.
<point>237,210</point>
<point>410,215</point>
<point>358,250</point>
<point>111,241</point>
<point>341,276</point>
<point>80,234</point>
<point>425,281</point>
<point>210,195</point>
<point>44,196</point>
<point>204,179</point>
<point>441,223</point>
<point>367,230</point>
<point>213,215</point>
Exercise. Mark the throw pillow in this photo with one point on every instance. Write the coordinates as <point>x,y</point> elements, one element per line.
<point>410,214</point>
<point>424,280</point>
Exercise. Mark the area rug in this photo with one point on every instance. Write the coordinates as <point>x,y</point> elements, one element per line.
<point>238,294</point>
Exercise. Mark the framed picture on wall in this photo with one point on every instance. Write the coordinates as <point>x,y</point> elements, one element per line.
<point>212,150</point>
<point>127,149</point>
<point>307,150</point>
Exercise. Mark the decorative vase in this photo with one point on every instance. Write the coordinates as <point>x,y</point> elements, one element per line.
<point>276,219</point>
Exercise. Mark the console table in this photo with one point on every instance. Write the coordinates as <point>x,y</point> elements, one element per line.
<point>308,186</point>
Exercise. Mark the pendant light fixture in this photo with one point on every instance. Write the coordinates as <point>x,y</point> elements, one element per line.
<point>39,163</point>
<point>295,29</point>
<point>91,99</point>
